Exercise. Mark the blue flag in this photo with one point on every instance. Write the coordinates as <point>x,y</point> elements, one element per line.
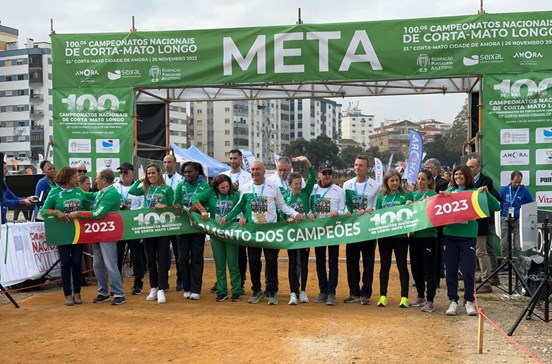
<point>415,152</point>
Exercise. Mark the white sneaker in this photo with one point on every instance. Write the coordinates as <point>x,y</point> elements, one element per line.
<point>161,296</point>
<point>292,299</point>
<point>152,296</point>
<point>452,309</point>
<point>303,298</point>
<point>470,309</point>
<point>194,296</point>
<point>187,295</point>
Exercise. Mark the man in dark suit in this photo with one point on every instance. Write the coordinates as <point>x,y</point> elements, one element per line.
<point>434,166</point>
<point>484,248</point>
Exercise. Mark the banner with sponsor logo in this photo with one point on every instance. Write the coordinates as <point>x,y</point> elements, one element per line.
<point>24,253</point>
<point>517,131</point>
<point>93,126</point>
<point>375,50</point>
<point>415,151</point>
<point>135,224</point>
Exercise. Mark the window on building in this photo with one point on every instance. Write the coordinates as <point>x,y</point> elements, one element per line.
<point>227,132</point>
<point>20,77</point>
<point>21,108</point>
<point>227,121</point>
<point>226,109</point>
<point>8,78</point>
<point>227,143</point>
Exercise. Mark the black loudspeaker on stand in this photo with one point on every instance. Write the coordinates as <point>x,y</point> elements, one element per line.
<point>509,261</point>
<point>544,290</point>
<point>2,289</point>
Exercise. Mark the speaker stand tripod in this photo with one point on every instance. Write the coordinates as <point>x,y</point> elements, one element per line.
<point>543,290</point>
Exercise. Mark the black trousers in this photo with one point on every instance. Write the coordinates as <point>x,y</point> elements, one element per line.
<point>242,262</point>
<point>137,258</point>
<point>352,253</point>
<point>423,258</point>
<point>298,269</point>
<point>256,266</point>
<point>157,251</point>
<point>190,260</point>
<point>386,248</point>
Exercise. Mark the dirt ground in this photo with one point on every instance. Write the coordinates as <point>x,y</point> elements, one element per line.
<point>205,331</point>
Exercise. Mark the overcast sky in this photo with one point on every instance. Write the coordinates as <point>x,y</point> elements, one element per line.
<point>32,18</point>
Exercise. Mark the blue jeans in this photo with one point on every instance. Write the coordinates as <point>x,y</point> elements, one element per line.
<point>327,283</point>
<point>105,263</point>
<point>460,251</point>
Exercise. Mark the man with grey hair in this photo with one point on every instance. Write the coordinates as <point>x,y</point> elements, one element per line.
<point>434,166</point>
<point>107,199</point>
<point>283,168</point>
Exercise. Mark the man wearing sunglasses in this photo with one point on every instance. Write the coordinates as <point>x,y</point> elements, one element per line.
<point>135,246</point>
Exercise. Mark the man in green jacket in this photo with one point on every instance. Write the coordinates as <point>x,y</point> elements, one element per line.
<point>107,199</point>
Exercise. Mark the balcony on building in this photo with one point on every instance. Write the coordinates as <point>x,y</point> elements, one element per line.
<point>36,97</point>
<point>36,113</point>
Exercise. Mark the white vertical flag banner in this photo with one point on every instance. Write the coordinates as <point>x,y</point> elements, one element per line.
<point>378,169</point>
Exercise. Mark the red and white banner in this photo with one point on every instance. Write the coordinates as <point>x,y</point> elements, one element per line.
<point>24,254</point>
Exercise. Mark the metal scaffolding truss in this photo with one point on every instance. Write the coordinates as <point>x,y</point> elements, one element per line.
<point>318,89</point>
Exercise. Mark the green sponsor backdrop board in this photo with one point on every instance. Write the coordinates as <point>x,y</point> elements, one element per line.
<point>394,49</point>
<point>517,131</point>
<point>94,126</point>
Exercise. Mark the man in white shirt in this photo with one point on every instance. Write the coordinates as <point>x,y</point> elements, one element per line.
<point>172,178</point>
<point>360,198</point>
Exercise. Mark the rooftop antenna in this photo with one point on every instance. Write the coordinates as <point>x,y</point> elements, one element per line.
<point>481,10</point>
<point>299,21</point>
<point>52,31</point>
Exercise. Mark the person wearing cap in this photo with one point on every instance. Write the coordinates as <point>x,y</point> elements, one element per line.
<point>135,246</point>
<point>327,200</point>
<point>259,201</point>
<point>360,198</point>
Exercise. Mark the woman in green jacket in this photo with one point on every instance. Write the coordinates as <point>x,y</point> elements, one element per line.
<point>157,195</point>
<point>393,194</point>
<point>424,248</point>
<point>220,199</point>
<point>190,246</point>
<point>61,201</point>
<point>459,240</point>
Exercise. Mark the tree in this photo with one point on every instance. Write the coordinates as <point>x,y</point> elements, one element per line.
<point>437,149</point>
<point>323,149</point>
<point>458,133</point>
<point>296,148</point>
<point>349,154</point>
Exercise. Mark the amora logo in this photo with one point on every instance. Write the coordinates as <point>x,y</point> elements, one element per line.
<point>528,55</point>
<point>86,72</point>
<point>518,157</point>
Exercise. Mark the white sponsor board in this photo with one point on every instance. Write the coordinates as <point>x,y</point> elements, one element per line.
<point>543,156</point>
<point>111,163</point>
<point>543,135</point>
<point>544,178</point>
<point>544,198</point>
<point>514,136</point>
<point>514,157</point>
<point>79,146</point>
<point>506,177</point>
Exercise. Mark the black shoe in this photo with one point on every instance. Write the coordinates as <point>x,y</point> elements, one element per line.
<point>179,286</point>
<point>118,301</point>
<point>214,288</point>
<point>84,283</point>
<point>101,298</point>
<point>235,297</point>
<point>221,297</point>
<point>136,291</point>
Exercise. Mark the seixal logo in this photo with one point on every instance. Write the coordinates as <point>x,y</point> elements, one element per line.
<point>115,75</point>
<point>471,61</point>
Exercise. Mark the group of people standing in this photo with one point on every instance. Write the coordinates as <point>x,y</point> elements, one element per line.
<point>237,195</point>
